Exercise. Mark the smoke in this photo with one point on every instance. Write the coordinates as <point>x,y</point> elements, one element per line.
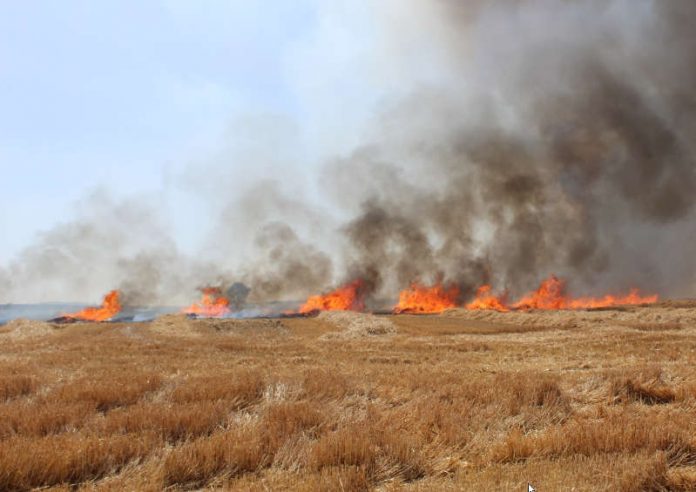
<point>237,294</point>
<point>285,265</point>
<point>109,244</point>
<point>504,141</point>
<point>579,156</point>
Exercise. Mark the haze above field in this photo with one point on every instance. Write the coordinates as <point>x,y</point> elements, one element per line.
<point>125,97</point>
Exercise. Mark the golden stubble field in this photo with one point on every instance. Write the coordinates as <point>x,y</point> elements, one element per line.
<point>590,400</point>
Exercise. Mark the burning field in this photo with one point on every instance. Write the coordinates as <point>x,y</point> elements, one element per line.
<point>440,388</point>
<point>465,282</point>
<point>355,296</point>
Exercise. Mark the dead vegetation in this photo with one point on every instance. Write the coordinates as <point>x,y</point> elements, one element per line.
<point>356,325</point>
<point>441,403</point>
<point>649,389</point>
<point>19,329</point>
<point>238,390</point>
<point>13,386</point>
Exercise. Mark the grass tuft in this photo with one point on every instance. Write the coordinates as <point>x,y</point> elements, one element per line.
<point>16,386</point>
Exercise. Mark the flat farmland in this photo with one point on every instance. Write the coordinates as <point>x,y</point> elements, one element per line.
<point>566,400</point>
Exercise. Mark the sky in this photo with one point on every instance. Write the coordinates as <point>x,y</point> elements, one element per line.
<point>182,110</point>
<point>170,99</point>
<point>124,97</point>
<point>185,106</point>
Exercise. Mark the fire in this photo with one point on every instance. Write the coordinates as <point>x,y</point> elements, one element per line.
<point>346,298</point>
<point>422,299</point>
<point>551,295</point>
<point>111,305</point>
<point>213,304</point>
<point>485,300</point>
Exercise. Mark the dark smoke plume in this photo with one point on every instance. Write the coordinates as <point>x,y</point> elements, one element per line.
<point>237,294</point>
<point>591,147</point>
<point>285,265</point>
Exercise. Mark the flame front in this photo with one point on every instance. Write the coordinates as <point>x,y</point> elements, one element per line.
<point>485,300</point>
<point>551,295</point>
<point>212,304</point>
<point>346,298</point>
<point>632,298</point>
<point>422,299</point>
<point>111,306</point>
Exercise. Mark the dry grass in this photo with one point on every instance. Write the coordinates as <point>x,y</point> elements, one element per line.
<point>626,432</point>
<point>16,386</point>
<point>229,453</point>
<point>656,326</point>
<point>656,476</point>
<point>106,394</point>
<point>170,423</point>
<point>442,403</point>
<point>30,419</point>
<point>376,450</point>
<point>650,393</point>
<point>68,458</point>
<point>239,389</point>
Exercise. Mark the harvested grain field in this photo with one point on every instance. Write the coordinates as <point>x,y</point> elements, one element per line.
<point>586,400</point>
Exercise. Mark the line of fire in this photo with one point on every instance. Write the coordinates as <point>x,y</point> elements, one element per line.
<point>416,299</point>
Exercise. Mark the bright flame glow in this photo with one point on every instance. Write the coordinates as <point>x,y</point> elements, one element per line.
<point>485,300</point>
<point>111,306</point>
<point>212,304</point>
<point>346,298</point>
<point>422,299</point>
<point>551,295</point>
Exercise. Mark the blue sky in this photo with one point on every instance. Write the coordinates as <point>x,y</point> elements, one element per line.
<point>120,94</point>
<point>188,102</point>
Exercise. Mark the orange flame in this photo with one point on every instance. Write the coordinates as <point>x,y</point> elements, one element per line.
<point>422,299</point>
<point>551,295</point>
<point>346,298</point>
<point>212,304</point>
<point>111,305</point>
<point>485,300</point>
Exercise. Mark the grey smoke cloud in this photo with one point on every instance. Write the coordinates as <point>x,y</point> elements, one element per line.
<point>109,244</point>
<point>577,149</point>
<point>545,137</point>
